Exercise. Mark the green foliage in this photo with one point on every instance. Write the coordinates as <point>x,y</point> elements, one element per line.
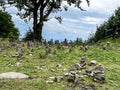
<point>90,39</point>
<point>109,27</point>
<point>7,28</point>
<point>99,34</point>
<point>40,10</point>
<point>29,35</point>
<point>78,41</point>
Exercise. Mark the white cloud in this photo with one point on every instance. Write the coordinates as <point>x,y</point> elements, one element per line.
<point>103,6</point>
<point>71,20</point>
<point>80,24</point>
<point>92,20</point>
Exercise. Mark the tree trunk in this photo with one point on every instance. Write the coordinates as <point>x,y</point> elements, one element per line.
<point>113,33</point>
<point>38,23</point>
<point>39,32</point>
<point>38,26</point>
<point>35,23</point>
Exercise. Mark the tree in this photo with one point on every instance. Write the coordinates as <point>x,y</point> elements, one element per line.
<point>109,28</point>
<point>7,28</point>
<point>78,41</point>
<point>28,35</point>
<point>40,10</point>
<point>99,34</point>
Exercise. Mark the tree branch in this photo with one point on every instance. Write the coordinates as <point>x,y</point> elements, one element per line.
<point>49,10</point>
<point>33,1</point>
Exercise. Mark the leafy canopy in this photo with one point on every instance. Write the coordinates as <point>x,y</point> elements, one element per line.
<point>109,28</point>
<point>7,28</point>
<point>40,10</point>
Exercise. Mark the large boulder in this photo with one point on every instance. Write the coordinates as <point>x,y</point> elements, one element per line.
<point>13,75</point>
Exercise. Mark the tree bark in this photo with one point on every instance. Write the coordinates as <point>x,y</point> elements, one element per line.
<point>38,24</point>
<point>39,32</point>
<point>37,27</point>
<point>35,23</point>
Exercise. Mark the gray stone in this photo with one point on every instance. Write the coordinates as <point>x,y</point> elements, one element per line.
<point>93,63</point>
<point>50,82</point>
<point>10,65</point>
<point>76,78</point>
<point>64,70</point>
<point>59,65</point>
<point>31,54</point>
<point>58,78</point>
<point>5,55</point>
<point>52,70</point>
<point>105,47</point>
<point>86,48</point>
<point>81,48</point>
<point>89,73</point>
<point>13,75</point>
<point>52,78</point>
<point>0,49</point>
<point>66,74</point>
<point>18,64</point>
<point>99,67</point>
<point>22,50</point>
<point>48,51</point>
<point>108,43</point>
<point>89,87</point>
<point>75,67</point>
<point>99,78</point>
<point>41,67</point>
<point>72,77</point>
<point>16,54</point>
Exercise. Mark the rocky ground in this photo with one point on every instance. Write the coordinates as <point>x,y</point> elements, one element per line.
<point>36,66</point>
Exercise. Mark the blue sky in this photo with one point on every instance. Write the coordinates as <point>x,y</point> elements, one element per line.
<point>75,23</point>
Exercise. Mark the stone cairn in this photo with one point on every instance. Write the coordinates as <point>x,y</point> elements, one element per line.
<point>98,74</point>
<point>84,48</point>
<point>79,71</point>
<point>73,75</point>
<point>47,50</point>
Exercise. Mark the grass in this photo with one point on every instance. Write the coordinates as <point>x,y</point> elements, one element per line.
<point>110,59</point>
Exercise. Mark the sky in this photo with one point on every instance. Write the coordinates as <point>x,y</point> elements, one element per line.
<point>75,23</point>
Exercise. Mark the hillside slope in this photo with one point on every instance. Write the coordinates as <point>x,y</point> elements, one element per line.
<point>41,66</point>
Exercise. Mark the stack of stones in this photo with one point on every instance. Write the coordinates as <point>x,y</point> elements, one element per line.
<point>84,48</point>
<point>73,75</point>
<point>78,72</point>
<point>0,49</point>
<point>55,52</point>
<point>98,74</point>
<point>83,62</point>
<point>75,67</point>
<point>48,50</point>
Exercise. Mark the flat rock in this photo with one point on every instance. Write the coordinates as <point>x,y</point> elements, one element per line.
<point>50,82</point>
<point>93,63</point>
<point>13,75</point>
